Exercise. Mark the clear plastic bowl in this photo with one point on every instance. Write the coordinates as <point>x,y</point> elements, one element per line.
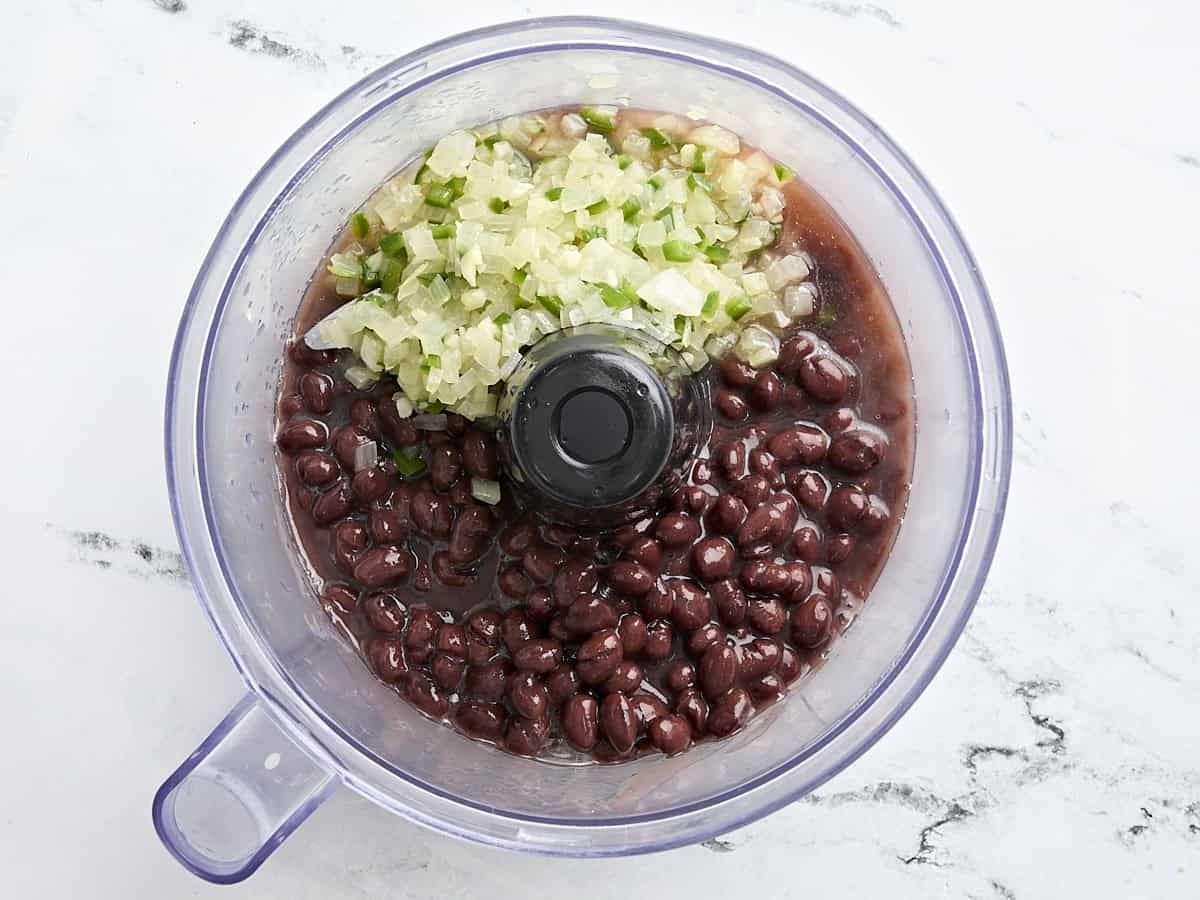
<point>315,718</point>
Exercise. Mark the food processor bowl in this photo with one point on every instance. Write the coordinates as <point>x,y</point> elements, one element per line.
<point>314,717</point>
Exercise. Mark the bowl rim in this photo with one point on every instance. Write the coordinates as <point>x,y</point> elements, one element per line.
<point>992,433</point>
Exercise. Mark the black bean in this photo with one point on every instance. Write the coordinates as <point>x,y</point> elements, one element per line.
<point>447,671</point>
<point>646,551</point>
<point>812,622</point>
<point>730,712</point>
<point>369,485</point>
<point>513,582</point>
<point>763,463</point>
<point>731,457</point>
<point>766,523</point>
<point>753,490</point>
<point>481,720</point>
<point>542,561</point>
<point>425,695</point>
<point>346,441</point>
<point>766,392</point>
<point>528,695</point>
<point>630,577</point>
<point>732,405</point>
<point>517,537</point>
<point>793,351</point>
<point>470,533</point>
<point>718,670</point>
<point>625,679</point>
<point>677,530</point>
<point>562,682</point>
<point>647,708</point>
<point>660,638</point>
<point>619,723</point>
<point>679,675</point>
<point>479,454</point>
<point>764,577</point>
<point>825,378</point>
<point>540,655</point>
<point>581,721</point>
<point>307,356</point>
<point>384,613</point>
<point>810,487</point>
<point>526,737</point>
<point>704,637</point>
<point>488,682</point>
<point>670,734</point>
<point>727,514</point>
<point>847,505</point>
<point>316,468</point>
<point>539,604</point>
<point>632,631</point>
<point>877,516</point>
<point>445,467</point>
<point>589,614</point>
<point>807,544</point>
<point>657,602</point>
<point>387,658</point>
<point>799,445</point>
<point>857,450</point>
<point>302,434</point>
<point>730,602</point>
<point>597,659</point>
<point>334,503</point>
<point>801,581</point>
<point>690,606</point>
<point>693,707</point>
<point>385,526</point>
<point>713,559</point>
<point>516,629</point>
<point>432,514</point>
<point>767,688</point>
<point>447,572</point>
<point>766,615</point>
<point>349,541</point>
<point>382,566</point>
<point>736,373</point>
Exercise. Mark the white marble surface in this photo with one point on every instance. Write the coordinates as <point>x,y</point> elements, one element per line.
<point>1056,755</point>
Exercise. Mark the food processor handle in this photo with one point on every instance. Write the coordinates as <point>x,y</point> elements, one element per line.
<point>238,796</point>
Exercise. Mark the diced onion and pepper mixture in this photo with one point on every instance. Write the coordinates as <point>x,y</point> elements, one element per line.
<point>504,234</point>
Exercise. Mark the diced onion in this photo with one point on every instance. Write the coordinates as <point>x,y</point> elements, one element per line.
<point>463,270</point>
<point>361,377</point>
<point>404,407</point>
<point>757,347</point>
<point>789,270</point>
<point>771,202</point>
<point>430,422</point>
<point>365,456</point>
<point>573,125</point>
<point>799,300</point>
<point>723,141</point>
<point>485,491</point>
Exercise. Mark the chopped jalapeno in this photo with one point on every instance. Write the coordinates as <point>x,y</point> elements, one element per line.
<point>597,119</point>
<point>679,251</point>
<point>657,139</point>
<point>738,307</point>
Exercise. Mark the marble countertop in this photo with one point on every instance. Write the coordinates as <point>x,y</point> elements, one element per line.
<point>1056,753</point>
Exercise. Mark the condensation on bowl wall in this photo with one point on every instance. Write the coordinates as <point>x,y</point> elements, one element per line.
<point>313,718</point>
